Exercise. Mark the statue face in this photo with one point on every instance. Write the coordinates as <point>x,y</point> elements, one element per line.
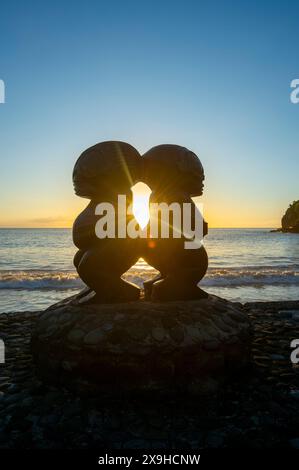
<point>106,170</point>
<point>172,169</point>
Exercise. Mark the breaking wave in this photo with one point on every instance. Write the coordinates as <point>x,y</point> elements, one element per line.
<point>253,276</point>
<point>224,277</point>
<point>36,279</point>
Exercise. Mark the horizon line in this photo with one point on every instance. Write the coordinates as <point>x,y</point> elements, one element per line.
<point>64,228</point>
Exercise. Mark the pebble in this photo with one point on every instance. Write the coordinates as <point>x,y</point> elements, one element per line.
<point>290,314</point>
<point>76,336</point>
<point>256,409</point>
<point>214,440</point>
<point>277,357</point>
<point>294,443</point>
<point>294,394</point>
<point>158,333</point>
<point>94,337</point>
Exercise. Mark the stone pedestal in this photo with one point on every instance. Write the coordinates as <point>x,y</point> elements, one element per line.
<point>141,346</point>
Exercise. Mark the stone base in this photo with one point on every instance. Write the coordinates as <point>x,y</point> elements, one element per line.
<point>139,346</point>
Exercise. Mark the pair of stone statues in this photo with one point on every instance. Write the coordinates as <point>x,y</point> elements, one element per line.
<point>109,169</point>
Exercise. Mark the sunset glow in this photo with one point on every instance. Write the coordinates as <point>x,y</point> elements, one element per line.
<point>141,194</point>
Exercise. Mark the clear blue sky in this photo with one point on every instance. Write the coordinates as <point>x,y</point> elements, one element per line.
<point>212,76</point>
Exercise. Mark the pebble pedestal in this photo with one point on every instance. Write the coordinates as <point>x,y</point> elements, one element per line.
<point>141,346</point>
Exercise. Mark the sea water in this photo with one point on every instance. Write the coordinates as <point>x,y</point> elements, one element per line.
<point>36,267</point>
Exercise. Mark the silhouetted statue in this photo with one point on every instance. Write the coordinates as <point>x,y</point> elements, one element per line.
<point>101,173</point>
<point>175,174</point>
<point>116,349</point>
<point>109,169</point>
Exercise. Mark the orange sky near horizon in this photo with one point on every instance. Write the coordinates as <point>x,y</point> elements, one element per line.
<point>42,214</point>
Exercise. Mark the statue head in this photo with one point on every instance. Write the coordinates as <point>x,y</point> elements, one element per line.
<point>172,169</point>
<point>106,169</point>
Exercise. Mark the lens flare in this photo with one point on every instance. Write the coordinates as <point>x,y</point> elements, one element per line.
<point>141,194</point>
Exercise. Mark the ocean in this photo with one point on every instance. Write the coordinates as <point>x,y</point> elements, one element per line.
<point>36,267</point>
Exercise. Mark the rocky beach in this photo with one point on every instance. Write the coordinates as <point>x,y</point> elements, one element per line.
<point>257,408</point>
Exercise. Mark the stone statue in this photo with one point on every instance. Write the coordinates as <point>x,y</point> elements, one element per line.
<point>148,347</point>
<point>101,173</point>
<point>175,174</point>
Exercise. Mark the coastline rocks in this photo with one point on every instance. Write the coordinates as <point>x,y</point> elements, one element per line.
<point>141,346</point>
<point>290,220</point>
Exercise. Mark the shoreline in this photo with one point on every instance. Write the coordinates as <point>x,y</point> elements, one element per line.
<point>277,304</point>
<point>285,230</point>
<point>257,409</point>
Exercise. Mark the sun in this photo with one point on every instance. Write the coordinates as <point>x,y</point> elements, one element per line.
<point>141,194</point>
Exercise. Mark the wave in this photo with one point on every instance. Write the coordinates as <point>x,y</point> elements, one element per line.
<point>218,277</point>
<point>59,280</point>
<point>253,276</point>
<point>36,279</point>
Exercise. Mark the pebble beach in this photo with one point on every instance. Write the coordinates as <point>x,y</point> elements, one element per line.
<point>256,409</point>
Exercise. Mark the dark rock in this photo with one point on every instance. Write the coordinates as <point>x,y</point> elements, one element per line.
<point>295,394</point>
<point>107,352</point>
<point>290,220</point>
<point>294,443</point>
<point>277,357</point>
<point>215,440</point>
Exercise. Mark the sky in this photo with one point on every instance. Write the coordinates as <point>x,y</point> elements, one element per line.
<point>211,76</point>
